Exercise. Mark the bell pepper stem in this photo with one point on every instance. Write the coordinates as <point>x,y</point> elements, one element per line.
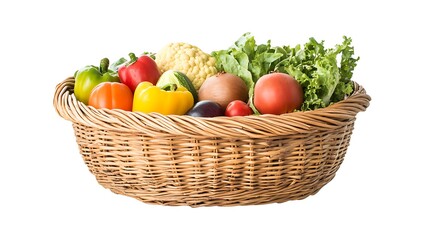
<point>133,58</point>
<point>170,87</point>
<point>104,65</point>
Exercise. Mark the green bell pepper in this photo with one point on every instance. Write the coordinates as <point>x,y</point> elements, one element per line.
<point>90,76</point>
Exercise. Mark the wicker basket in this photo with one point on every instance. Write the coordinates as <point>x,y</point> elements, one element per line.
<point>221,161</point>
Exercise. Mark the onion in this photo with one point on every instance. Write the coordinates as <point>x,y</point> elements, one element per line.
<point>223,88</point>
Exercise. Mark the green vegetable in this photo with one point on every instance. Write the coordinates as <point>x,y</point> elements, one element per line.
<point>90,76</point>
<point>315,67</point>
<point>175,77</point>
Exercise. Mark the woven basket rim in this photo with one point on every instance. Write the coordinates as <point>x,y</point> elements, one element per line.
<point>255,126</point>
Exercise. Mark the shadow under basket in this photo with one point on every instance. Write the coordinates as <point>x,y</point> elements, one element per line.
<point>220,161</point>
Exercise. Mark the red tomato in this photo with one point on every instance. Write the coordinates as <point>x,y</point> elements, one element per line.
<point>111,95</point>
<point>277,93</point>
<point>238,108</point>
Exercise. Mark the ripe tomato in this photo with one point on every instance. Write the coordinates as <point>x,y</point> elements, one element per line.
<point>277,93</point>
<point>111,95</point>
<point>238,108</point>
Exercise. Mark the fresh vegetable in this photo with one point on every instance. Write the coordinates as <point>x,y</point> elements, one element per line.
<point>137,70</point>
<point>111,95</point>
<point>175,77</point>
<point>277,93</point>
<point>188,59</point>
<point>223,88</point>
<point>90,76</point>
<point>323,79</point>
<point>149,98</point>
<point>206,108</point>
<point>238,108</point>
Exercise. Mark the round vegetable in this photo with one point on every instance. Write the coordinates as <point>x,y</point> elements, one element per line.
<point>238,108</point>
<point>206,108</point>
<point>111,95</point>
<point>277,93</point>
<point>223,88</point>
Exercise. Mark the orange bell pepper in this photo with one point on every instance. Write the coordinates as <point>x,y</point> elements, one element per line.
<point>111,95</point>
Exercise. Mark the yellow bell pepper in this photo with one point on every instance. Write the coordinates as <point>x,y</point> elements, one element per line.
<point>149,98</point>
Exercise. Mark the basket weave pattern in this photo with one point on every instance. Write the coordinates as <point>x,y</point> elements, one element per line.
<point>221,161</point>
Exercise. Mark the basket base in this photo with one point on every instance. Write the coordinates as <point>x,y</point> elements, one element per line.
<point>242,197</point>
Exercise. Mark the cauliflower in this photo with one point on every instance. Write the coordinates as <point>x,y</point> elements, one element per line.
<point>188,59</point>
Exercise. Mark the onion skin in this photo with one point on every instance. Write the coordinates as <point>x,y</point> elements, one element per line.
<point>223,88</point>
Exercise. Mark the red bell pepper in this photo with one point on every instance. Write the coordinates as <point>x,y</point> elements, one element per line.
<point>137,70</point>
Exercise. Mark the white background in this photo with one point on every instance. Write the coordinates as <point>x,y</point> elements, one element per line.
<point>47,192</point>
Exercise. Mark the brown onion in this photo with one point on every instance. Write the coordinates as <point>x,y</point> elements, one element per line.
<point>223,88</point>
